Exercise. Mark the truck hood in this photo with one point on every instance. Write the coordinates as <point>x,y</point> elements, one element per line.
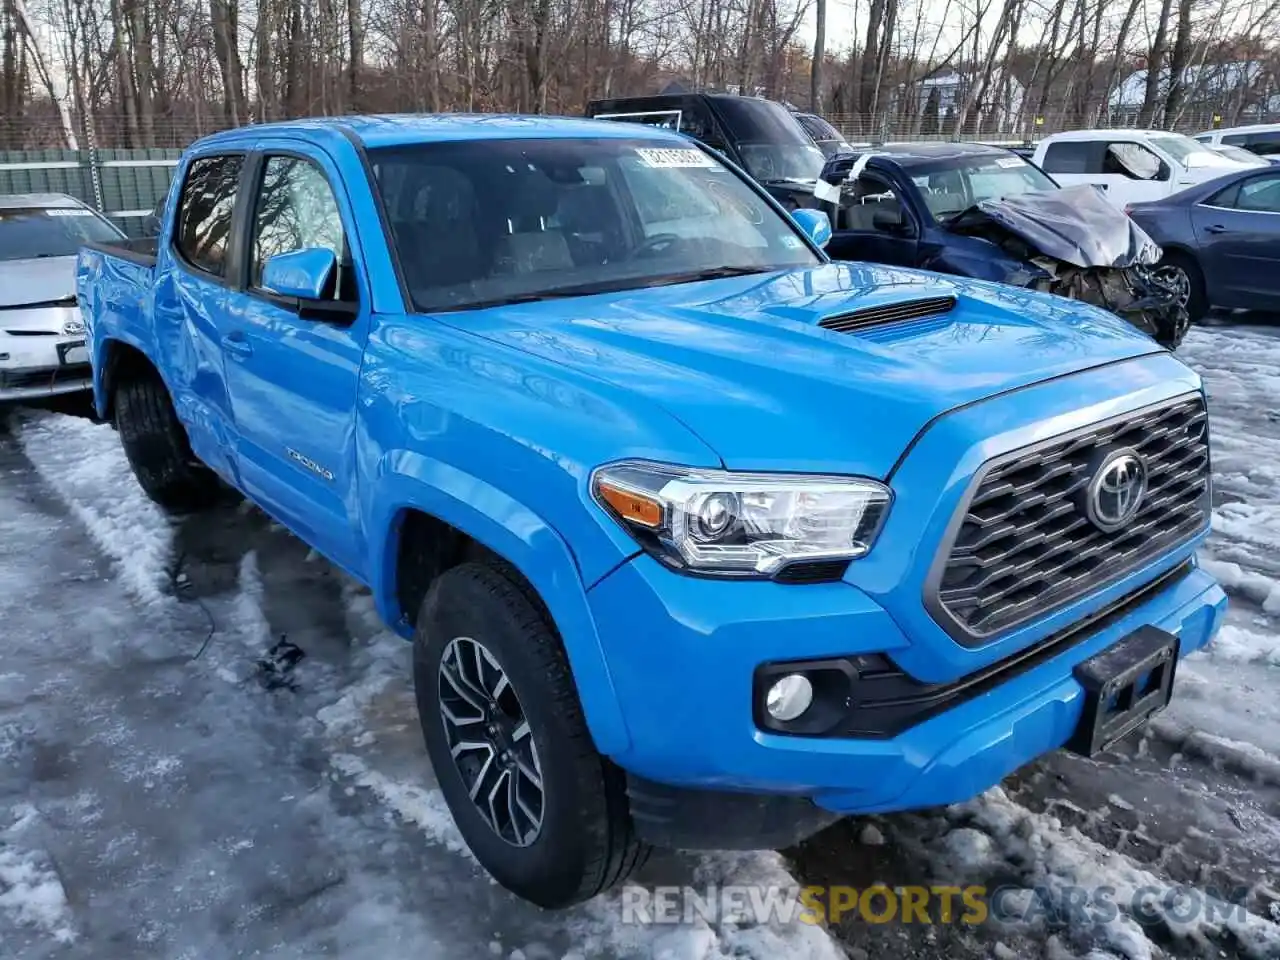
<point>37,280</point>
<point>1075,225</point>
<point>744,363</point>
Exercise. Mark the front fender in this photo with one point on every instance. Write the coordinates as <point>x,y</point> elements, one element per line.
<point>992,266</point>
<point>410,481</point>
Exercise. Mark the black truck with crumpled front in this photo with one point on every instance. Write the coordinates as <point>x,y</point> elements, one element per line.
<point>985,212</point>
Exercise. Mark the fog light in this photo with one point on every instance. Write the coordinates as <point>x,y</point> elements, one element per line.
<point>789,697</point>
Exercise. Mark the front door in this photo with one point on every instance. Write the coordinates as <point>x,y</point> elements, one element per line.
<point>1133,173</point>
<point>1238,232</point>
<point>875,224</point>
<point>293,373</point>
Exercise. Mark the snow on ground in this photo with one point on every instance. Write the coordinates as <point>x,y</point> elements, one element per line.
<point>30,891</point>
<point>83,464</point>
<point>177,797</point>
<point>353,712</point>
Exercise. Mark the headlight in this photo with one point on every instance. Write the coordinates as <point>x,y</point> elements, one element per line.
<point>744,524</point>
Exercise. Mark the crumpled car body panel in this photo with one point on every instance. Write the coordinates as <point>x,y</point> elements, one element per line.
<point>1075,225</point>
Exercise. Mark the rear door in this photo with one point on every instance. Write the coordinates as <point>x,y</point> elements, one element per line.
<point>190,302</point>
<point>1238,231</point>
<point>293,372</point>
<point>1073,162</point>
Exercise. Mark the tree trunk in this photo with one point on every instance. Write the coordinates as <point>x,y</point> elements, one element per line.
<point>1179,60</point>
<point>224,19</point>
<point>355,37</point>
<point>819,53</point>
<point>19,10</point>
<point>1155,66</point>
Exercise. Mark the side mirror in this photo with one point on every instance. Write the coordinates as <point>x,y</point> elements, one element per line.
<point>1163,172</point>
<point>305,274</point>
<point>815,224</point>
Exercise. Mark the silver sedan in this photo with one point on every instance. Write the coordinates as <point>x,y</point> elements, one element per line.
<point>42,336</point>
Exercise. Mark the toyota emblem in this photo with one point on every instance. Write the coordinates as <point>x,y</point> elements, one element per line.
<point>73,327</point>
<point>1116,490</point>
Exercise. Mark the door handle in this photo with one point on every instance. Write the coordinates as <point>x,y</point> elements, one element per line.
<point>1215,228</point>
<point>1101,186</point>
<point>237,345</point>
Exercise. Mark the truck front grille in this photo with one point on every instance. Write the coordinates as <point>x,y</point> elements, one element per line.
<point>1023,544</point>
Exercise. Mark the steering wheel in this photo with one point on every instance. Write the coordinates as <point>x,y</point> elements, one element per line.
<point>655,244</point>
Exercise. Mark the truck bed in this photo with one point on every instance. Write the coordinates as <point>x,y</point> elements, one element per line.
<point>139,250</point>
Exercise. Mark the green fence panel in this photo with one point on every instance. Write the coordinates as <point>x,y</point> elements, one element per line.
<point>130,182</point>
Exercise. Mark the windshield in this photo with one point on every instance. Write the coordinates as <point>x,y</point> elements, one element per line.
<point>782,161</point>
<point>485,222</point>
<point>32,232</point>
<point>1240,154</point>
<point>824,135</point>
<point>1178,146</point>
<point>953,185</point>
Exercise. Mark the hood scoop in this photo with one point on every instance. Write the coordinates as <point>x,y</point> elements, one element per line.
<point>855,321</point>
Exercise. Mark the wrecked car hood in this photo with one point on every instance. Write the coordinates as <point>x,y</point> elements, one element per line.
<point>1076,225</point>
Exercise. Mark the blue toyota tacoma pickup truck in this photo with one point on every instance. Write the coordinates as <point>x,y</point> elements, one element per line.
<point>701,540</point>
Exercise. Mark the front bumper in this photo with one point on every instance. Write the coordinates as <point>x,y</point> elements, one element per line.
<point>683,653</point>
<point>36,365</point>
<point>34,384</point>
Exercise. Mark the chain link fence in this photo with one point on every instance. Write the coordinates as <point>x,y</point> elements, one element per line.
<point>43,129</point>
<point>996,127</point>
<point>123,164</point>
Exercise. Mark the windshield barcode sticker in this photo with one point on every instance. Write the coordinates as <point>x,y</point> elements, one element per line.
<point>1009,161</point>
<point>66,212</point>
<point>674,157</point>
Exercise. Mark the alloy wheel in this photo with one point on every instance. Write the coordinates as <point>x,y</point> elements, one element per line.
<point>491,741</point>
<point>1174,277</point>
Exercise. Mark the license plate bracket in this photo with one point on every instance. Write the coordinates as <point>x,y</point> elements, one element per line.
<point>1124,686</point>
<point>72,353</point>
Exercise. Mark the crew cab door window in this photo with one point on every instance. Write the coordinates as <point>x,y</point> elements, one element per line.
<point>1135,161</point>
<point>296,210</point>
<point>873,206</point>
<point>203,234</point>
<point>1073,157</point>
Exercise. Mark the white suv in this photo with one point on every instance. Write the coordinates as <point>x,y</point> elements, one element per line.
<point>1131,166</point>
<point>1260,138</point>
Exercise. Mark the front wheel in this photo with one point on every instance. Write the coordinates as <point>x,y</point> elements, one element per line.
<point>1182,273</point>
<point>542,811</point>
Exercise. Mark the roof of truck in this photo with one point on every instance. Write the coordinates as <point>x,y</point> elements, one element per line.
<point>38,201</point>
<point>398,129</point>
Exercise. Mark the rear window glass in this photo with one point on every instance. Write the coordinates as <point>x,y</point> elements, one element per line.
<point>1071,156</point>
<point>204,212</point>
<point>38,232</point>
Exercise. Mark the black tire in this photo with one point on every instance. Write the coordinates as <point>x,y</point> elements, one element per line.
<point>157,447</point>
<point>1197,298</point>
<point>586,843</point>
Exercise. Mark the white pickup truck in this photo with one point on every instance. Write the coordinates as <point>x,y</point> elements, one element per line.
<point>1130,166</point>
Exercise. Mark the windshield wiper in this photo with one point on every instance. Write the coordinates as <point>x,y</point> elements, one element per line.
<point>711,273</point>
<point>607,286</point>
